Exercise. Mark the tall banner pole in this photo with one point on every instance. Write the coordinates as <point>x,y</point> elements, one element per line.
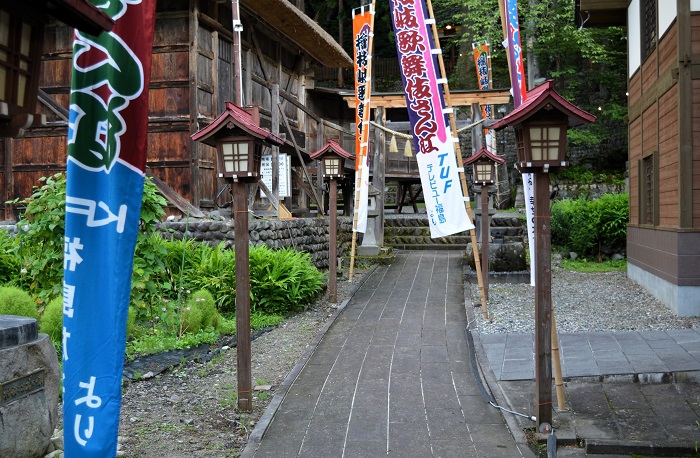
<point>437,147</point>
<point>433,139</point>
<point>511,41</point>
<point>482,63</point>
<point>511,34</point>
<point>363,37</point>
<point>107,136</point>
<point>463,177</point>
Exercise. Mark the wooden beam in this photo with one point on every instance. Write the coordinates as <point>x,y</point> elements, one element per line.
<point>459,99</point>
<point>286,96</point>
<point>174,198</point>
<point>301,159</point>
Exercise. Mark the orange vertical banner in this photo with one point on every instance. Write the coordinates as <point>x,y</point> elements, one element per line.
<point>362,24</point>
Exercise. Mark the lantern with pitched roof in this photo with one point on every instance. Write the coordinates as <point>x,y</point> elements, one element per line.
<point>540,125</point>
<point>239,140</point>
<point>333,157</point>
<point>484,163</point>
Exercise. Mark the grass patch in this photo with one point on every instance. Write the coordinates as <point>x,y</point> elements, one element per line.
<point>259,320</point>
<point>584,265</point>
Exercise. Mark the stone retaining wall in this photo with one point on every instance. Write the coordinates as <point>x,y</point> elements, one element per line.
<point>302,234</point>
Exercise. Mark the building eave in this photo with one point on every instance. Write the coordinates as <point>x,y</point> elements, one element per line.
<point>298,28</point>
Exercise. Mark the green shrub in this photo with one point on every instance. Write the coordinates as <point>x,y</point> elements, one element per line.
<point>214,269</point>
<point>226,326</point>
<point>15,301</point>
<point>151,279</point>
<point>585,225</point>
<point>203,301</point>
<point>51,321</point>
<point>282,281</point>
<point>9,259</point>
<point>42,245</point>
<point>614,216</point>
<point>191,320</point>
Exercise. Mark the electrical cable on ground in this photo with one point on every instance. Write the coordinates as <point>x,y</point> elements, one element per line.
<point>477,378</point>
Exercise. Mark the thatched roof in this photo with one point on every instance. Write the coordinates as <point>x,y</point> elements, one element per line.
<point>301,30</point>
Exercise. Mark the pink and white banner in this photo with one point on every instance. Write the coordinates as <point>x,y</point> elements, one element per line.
<point>432,138</point>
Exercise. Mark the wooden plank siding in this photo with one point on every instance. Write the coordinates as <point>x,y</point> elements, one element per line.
<point>668,159</point>
<point>634,88</point>
<point>650,72</point>
<point>635,155</point>
<point>192,75</point>
<point>695,33</point>
<point>696,152</point>
<point>650,133</point>
<point>667,49</point>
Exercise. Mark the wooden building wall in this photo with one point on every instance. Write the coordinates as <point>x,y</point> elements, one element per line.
<point>695,49</point>
<point>696,152</point>
<point>653,129</point>
<point>191,79</point>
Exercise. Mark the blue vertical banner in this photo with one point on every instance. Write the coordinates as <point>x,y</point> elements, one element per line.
<point>515,51</point>
<point>105,173</point>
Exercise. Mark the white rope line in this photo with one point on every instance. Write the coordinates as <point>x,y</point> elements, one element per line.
<point>408,136</point>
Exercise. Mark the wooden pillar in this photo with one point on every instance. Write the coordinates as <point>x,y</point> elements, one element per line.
<point>332,256</point>
<point>237,66</point>
<point>275,120</point>
<point>543,301</point>
<point>320,141</point>
<point>9,178</point>
<point>240,230</point>
<point>485,236</point>
<point>378,168</point>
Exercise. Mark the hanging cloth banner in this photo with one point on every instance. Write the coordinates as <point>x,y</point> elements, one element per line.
<point>362,22</point>
<point>482,62</point>
<point>519,89</point>
<point>107,135</point>
<point>515,54</point>
<point>432,138</point>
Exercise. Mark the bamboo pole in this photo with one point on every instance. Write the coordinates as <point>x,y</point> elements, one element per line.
<point>463,178</point>
<point>556,362</point>
<point>358,178</point>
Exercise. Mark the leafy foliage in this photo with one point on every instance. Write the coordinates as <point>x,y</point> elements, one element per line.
<point>42,243</point>
<point>282,281</point>
<point>162,313</point>
<point>41,246</point>
<point>51,321</point>
<point>15,301</point>
<point>214,269</point>
<point>9,261</point>
<point>584,226</point>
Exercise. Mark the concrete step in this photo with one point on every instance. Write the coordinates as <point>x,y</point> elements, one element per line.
<point>425,246</point>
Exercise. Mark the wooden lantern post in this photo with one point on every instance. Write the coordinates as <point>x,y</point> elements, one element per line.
<point>332,156</point>
<point>540,125</point>
<point>484,163</point>
<point>239,139</point>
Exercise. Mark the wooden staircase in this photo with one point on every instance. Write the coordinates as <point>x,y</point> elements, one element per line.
<point>412,232</point>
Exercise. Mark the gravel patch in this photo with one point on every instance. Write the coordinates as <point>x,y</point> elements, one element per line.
<point>582,302</point>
